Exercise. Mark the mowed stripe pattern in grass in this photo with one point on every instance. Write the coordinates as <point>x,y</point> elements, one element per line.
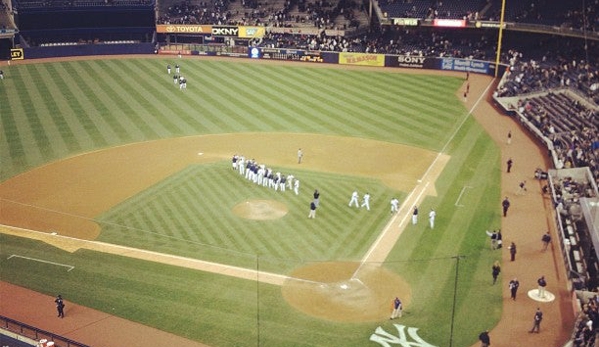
<point>191,214</point>
<point>55,110</point>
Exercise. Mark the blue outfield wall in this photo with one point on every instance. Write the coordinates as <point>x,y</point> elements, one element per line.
<point>395,61</point>
<point>83,50</point>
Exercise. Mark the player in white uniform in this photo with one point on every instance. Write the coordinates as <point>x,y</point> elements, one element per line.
<point>366,201</point>
<point>241,165</point>
<point>431,218</point>
<point>296,185</point>
<point>354,199</point>
<point>415,215</point>
<point>394,205</point>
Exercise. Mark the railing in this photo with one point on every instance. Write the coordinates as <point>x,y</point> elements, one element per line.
<point>36,334</point>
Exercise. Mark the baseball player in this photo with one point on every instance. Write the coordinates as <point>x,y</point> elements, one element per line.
<point>296,185</point>
<point>241,165</point>
<point>431,218</point>
<point>397,308</point>
<point>366,201</point>
<point>354,199</point>
<point>313,207</point>
<point>415,215</point>
<point>267,177</point>
<point>394,205</point>
<point>277,181</point>
<point>234,161</point>
<point>283,182</point>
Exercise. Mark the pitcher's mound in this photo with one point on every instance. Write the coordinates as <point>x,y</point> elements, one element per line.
<point>346,291</point>
<point>260,209</point>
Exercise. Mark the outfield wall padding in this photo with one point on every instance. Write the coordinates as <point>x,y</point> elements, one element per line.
<point>83,50</point>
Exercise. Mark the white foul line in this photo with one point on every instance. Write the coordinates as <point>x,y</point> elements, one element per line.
<point>387,228</point>
<point>70,267</point>
<point>460,196</point>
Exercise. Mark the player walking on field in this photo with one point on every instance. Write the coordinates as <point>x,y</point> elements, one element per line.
<point>394,205</point>
<point>397,308</point>
<point>415,215</point>
<point>354,199</point>
<point>366,201</point>
<point>431,218</point>
<point>296,185</point>
<point>313,207</point>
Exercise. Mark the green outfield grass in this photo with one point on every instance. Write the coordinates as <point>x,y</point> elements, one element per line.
<point>53,111</point>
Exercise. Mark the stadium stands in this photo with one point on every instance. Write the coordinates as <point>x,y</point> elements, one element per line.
<point>201,12</point>
<point>49,4</point>
<point>427,9</point>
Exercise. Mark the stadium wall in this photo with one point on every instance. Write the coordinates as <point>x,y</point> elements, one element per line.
<point>84,50</point>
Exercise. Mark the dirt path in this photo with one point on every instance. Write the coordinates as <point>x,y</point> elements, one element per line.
<point>527,220</point>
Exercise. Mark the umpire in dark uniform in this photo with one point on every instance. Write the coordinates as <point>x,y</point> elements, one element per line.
<point>59,306</point>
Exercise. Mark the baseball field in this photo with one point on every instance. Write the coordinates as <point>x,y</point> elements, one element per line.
<point>122,187</point>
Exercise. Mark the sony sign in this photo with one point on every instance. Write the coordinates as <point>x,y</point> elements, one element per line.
<point>225,31</point>
<point>410,61</point>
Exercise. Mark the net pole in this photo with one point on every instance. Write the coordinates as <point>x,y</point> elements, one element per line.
<point>500,38</point>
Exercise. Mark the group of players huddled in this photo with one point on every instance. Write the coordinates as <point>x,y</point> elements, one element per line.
<point>264,176</point>
<point>178,79</point>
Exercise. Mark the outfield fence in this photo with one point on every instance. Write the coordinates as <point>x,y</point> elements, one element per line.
<point>37,334</point>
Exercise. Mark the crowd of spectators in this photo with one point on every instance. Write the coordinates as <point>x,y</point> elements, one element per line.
<point>214,12</point>
<point>564,14</point>
<point>391,40</point>
<point>258,13</point>
<point>432,9</point>
<point>535,76</point>
<point>567,14</point>
<point>319,14</point>
<point>556,109</point>
<point>586,324</point>
<point>23,4</point>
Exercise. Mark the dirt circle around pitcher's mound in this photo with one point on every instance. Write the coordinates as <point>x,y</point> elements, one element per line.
<point>260,209</point>
<point>345,291</point>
